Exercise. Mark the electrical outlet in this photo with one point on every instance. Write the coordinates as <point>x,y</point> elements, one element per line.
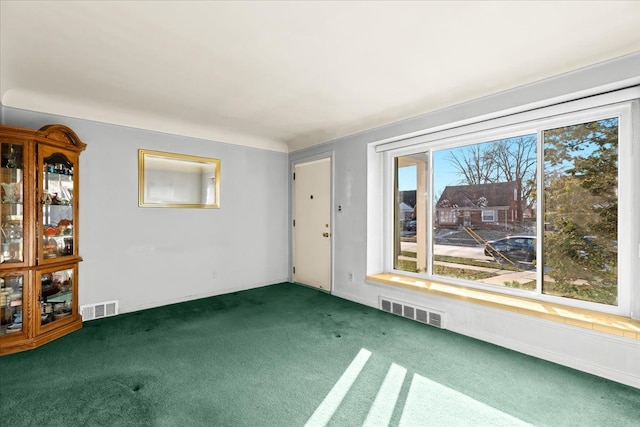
<point>350,276</point>
<point>214,274</point>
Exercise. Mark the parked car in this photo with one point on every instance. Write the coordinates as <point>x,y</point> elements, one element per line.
<point>512,249</point>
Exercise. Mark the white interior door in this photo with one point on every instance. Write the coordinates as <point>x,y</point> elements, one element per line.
<point>312,225</point>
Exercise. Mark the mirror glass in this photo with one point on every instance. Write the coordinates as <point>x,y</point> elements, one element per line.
<point>177,180</point>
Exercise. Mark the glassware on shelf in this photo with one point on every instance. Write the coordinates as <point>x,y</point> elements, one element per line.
<point>56,295</point>
<point>57,206</point>
<point>10,304</point>
<point>59,168</point>
<point>11,208</point>
<point>11,192</point>
<point>49,248</point>
<point>68,246</point>
<point>12,174</point>
<point>12,157</point>
<point>11,239</point>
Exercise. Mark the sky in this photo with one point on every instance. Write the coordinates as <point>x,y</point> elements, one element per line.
<point>407,178</point>
<point>447,174</point>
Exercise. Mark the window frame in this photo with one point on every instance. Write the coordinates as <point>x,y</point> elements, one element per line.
<point>447,217</point>
<point>622,104</point>
<point>494,214</point>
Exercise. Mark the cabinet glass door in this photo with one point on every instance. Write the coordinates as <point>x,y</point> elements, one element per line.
<point>11,304</point>
<point>57,207</point>
<point>12,215</point>
<point>56,295</point>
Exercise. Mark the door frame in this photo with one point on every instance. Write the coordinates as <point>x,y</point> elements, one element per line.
<point>292,248</point>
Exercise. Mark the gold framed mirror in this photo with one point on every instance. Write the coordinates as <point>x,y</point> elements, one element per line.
<point>173,180</point>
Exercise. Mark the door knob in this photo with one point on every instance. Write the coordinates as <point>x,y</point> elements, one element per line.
<point>325,234</point>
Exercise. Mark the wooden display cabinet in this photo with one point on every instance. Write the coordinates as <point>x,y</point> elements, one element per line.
<point>38,235</point>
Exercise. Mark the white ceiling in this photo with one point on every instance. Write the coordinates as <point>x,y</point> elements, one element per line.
<point>287,75</point>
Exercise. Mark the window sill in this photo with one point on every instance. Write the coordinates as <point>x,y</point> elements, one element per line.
<point>588,319</point>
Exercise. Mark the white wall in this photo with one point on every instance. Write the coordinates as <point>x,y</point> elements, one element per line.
<point>357,236</point>
<point>146,257</point>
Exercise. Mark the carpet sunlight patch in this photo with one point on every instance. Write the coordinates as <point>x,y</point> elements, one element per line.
<point>330,404</point>
<point>385,402</point>
<point>430,403</point>
<point>427,402</point>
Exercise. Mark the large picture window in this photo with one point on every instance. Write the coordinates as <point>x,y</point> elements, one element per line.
<point>533,209</point>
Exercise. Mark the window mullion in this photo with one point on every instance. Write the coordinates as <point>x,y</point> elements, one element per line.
<point>540,226</point>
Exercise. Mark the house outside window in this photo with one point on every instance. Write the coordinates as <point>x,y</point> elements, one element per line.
<point>533,209</point>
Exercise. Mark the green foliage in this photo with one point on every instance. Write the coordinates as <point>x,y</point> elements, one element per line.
<point>405,265</point>
<point>461,273</point>
<point>585,292</point>
<point>581,204</point>
<point>529,286</point>
<point>471,262</point>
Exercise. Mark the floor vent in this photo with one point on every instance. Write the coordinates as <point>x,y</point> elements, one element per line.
<point>414,312</point>
<point>99,310</point>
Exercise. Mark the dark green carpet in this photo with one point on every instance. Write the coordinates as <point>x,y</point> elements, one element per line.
<point>270,356</point>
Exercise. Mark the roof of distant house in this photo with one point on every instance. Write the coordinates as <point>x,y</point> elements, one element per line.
<point>478,195</point>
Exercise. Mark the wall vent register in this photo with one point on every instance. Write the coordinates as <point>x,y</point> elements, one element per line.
<point>411,311</point>
<point>99,310</point>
